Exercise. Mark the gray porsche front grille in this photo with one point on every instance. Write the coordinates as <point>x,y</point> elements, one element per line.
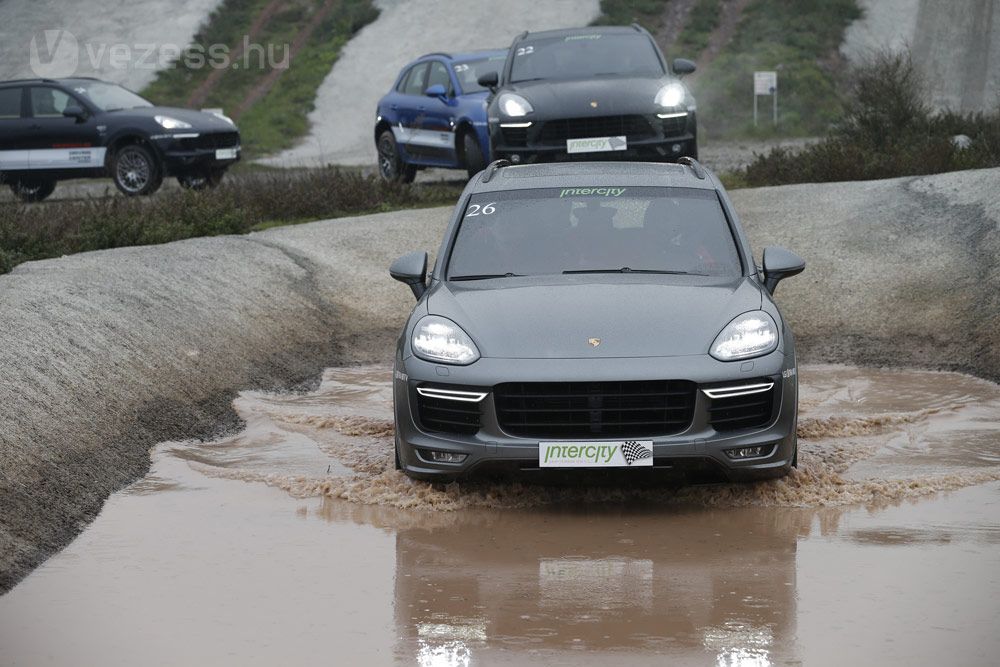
<point>627,409</point>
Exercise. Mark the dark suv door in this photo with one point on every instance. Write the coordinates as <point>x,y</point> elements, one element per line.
<point>13,130</point>
<point>59,142</point>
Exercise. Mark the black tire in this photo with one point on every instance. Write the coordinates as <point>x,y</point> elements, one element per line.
<point>390,166</point>
<point>32,190</point>
<point>202,180</point>
<point>472,154</point>
<point>136,171</point>
<point>399,464</point>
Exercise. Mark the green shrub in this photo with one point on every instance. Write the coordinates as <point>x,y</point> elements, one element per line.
<point>244,202</point>
<point>887,130</point>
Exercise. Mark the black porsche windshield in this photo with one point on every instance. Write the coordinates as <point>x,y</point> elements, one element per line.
<point>108,96</point>
<point>582,56</point>
<point>593,230</point>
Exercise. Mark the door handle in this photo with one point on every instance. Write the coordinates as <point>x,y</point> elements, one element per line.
<point>394,107</point>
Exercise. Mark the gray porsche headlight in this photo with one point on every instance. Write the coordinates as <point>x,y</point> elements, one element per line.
<point>671,95</point>
<point>751,334</point>
<point>439,339</point>
<point>514,106</point>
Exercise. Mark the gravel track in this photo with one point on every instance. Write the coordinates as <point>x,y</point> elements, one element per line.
<point>110,352</point>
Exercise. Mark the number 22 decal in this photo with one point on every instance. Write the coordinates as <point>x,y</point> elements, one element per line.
<point>485,209</point>
<point>524,50</point>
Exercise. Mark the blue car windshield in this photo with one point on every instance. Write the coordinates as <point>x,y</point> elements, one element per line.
<point>469,71</point>
<point>583,56</point>
<point>594,230</point>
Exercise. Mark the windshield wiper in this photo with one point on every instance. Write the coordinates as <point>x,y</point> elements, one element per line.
<point>484,276</point>
<point>626,269</point>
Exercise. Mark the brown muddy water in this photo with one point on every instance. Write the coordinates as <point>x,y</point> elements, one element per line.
<point>294,542</point>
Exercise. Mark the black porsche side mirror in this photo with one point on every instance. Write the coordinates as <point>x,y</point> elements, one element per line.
<point>75,112</point>
<point>411,269</point>
<point>489,80</point>
<point>683,66</point>
<point>780,264</point>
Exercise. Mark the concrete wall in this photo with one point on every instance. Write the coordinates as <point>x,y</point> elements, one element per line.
<point>955,44</point>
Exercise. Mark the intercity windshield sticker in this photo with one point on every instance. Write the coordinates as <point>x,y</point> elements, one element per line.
<point>592,192</point>
<point>574,38</point>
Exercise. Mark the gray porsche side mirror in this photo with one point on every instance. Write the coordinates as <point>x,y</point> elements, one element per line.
<point>411,269</point>
<point>683,66</point>
<point>780,264</point>
<point>489,80</point>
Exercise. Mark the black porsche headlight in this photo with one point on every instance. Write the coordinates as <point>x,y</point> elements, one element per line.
<point>752,334</point>
<point>439,339</point>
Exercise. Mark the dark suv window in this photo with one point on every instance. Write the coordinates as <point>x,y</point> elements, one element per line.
<point>415,80</point>
<point>10,103</point>
<point>49,102</point>
<point>595,229</point>
<point>582,56</point>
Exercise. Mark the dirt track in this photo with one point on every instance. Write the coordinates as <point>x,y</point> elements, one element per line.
<point>108,353</point>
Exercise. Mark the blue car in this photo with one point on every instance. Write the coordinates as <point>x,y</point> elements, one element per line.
<point>435,115</point>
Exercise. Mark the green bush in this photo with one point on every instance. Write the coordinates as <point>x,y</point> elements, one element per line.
<point>887,130</point>
<point>243,203</point>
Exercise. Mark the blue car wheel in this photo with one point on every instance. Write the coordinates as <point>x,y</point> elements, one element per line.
<point>390,166</point>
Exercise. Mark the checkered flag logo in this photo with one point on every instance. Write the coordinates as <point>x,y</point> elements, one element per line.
<point>633,451</point>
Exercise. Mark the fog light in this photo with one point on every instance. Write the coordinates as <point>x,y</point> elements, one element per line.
<point>443,457</point>
<point>515,158</point>
<point>676,148</point>
<point>747,452</point>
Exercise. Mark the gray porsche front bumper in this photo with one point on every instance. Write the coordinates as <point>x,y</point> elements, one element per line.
<point>698,446</point>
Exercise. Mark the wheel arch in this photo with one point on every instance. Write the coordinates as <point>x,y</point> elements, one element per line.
<point>129,139</point>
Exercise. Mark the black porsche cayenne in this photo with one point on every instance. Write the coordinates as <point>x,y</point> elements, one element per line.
<point>590,94</point>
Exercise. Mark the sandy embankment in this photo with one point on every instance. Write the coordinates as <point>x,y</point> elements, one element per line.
<point>108,353</point>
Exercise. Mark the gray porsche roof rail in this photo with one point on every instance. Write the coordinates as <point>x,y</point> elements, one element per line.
<point>492,168</point>
<point>435,53</point>
<point>696,167</point>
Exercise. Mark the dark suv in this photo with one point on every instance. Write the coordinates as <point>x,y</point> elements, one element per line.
<point>53,130</point>
<point>590,93</point>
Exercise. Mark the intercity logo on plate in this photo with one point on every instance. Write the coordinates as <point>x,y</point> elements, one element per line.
<point>618,454</point>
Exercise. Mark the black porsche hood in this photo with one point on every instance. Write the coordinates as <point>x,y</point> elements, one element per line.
<point>598,96</point>
<point>556,319</point>
<point>200,121</point>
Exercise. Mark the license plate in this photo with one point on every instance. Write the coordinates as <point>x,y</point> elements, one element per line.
<point>226,153</point>
<point>614,454</point>
<point>596,145</point>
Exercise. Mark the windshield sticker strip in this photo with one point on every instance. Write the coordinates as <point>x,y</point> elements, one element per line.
<point>592,192</point>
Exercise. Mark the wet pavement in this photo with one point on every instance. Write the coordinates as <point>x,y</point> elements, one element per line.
<point>294,541</point>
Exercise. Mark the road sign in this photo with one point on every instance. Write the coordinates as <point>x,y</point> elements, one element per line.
<point>766,83</point>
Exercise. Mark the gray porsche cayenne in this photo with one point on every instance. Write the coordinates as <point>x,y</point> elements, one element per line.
<point>594,316</point>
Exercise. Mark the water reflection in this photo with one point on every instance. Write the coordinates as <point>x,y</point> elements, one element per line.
<point>722,583</point>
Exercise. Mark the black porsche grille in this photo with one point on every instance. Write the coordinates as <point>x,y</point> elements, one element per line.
<point>515,136</point>
<point>441,415</point>
<point>555,132</point>
<point>210,141</point>
<point>749,411</point>
<point>588,409</point>
<point>673,127</point>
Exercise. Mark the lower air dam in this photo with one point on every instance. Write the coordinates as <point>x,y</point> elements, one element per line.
<point>295,539</point>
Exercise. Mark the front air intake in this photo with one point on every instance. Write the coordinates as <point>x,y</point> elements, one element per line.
<point>741,406</point>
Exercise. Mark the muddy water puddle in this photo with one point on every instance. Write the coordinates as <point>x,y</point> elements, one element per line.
<point>295,541</point>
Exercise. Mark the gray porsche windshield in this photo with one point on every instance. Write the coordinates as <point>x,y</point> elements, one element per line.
<point>593,230</point>
<point>582,56</point>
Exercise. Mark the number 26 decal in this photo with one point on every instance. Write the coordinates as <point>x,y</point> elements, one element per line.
<point>485,209</point>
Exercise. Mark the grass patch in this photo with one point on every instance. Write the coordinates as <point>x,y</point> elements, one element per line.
<point>704,19</point>
<point>254,201</point>
<point>798,38</point>
<point>275,120</point>
<point>887,131</point>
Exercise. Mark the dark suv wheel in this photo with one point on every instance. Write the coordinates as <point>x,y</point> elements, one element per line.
<point>390,165</point>
<point>473,154</point>
<point>32,190</point>
<point>201,180</point>
<point>136,171</point>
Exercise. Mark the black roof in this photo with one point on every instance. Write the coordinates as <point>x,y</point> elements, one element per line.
<point>590,30</point>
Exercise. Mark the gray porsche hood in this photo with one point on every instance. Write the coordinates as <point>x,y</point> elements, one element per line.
<point>650,316</point>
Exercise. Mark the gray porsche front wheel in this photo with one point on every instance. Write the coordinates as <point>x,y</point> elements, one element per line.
<point>136,171</point>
